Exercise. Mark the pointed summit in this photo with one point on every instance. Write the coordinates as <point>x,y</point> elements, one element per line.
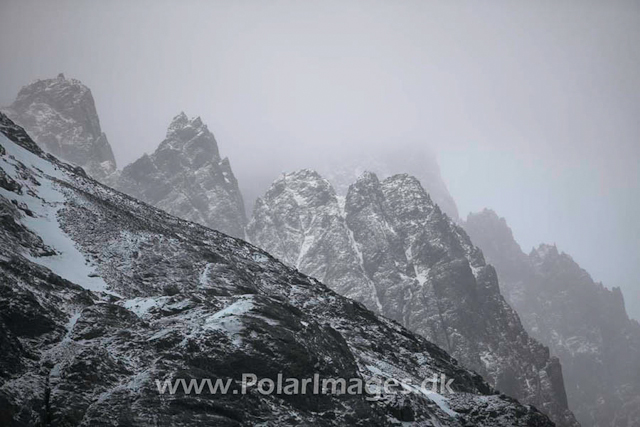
<point>197,122</point>
<point>186,177</point>
<point>545,250</point>
<point>60,115</point>
<point>177,123</point>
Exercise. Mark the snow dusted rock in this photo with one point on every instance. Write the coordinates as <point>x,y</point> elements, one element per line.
<point>418,268</point>
<point>300,220</point>
<point>413,160</point>
<point>583,323</point>
<point>102,295</point>
<point>186,177</point>
<point>60,115</point>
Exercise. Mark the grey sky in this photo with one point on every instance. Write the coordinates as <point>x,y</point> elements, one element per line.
<point>533,108</point>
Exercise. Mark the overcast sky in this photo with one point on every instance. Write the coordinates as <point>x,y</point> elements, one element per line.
<point>533,108</point>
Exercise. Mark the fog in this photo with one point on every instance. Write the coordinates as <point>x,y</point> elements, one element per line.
<point>532,108</point>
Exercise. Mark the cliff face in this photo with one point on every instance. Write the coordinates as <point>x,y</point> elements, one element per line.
<point>102,295</point>
<point>389,246</point>
<point>186,177</point>
<point>582,322</point>
<point>61,116</point>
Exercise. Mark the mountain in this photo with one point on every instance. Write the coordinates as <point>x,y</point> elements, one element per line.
<point>186,177</point>
<point>583,323</point>
<point>410,159</point>
<point>61,116</point>
<point>387,245</point>
<point>101,295</point>
<point>341,167</point>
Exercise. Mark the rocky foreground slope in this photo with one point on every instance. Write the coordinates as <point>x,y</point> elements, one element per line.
<point>583,323</point>
<point>101,295</point>
<point>390,247</point>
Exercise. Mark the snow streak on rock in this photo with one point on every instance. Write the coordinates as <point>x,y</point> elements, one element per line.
<point>77,356</point>
<point>391,248</point>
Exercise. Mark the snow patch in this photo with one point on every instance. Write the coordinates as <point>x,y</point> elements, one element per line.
<point>141,306</point>
<point>228,319</point>
<point>257,257</point>
<point>69,262</point>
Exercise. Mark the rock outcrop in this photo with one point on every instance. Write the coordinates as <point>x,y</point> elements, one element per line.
<point>60,115</point>
<point>387,245</point>
<point>410,159</point>
<point>582,322</point>
<point>186,177</point>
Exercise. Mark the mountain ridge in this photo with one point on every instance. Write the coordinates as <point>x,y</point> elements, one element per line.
<point>156,297</point>
<point>391,248</point>
<point>583,323</point>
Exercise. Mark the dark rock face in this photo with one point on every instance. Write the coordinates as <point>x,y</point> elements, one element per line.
<point>60,115</point>
<point>102,295</point>
<point>186,177</point>
<point>582,322</point>
<point>391,248</point>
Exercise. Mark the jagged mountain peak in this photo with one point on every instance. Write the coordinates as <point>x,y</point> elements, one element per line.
<point>181,122</point>
<point>412,191</point>
<point>497,236</point>
<point>393,249</point>
<point>193,137</point>
<point>60,114</point>
<point>367,176</point>
<point>186,177</point>
<point>305,174</point>
<point>178,122</point>
<point>488,214</point>
<point>489,218</point>
<point>305,188</point>
<point>65,94</point>
<point>546,250</point>
<point>417,161</point>
<point>584,323</point>
<point>102,295</point>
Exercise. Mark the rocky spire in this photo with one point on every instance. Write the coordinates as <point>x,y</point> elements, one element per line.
<point>60,115</point>
<point>185,176</point>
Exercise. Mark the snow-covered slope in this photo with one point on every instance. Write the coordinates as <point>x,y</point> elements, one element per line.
<point>116,294</point>
<point>391,248</point>
<point>61,116</point>
<point>186,177</point>
<point>583,323</point>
